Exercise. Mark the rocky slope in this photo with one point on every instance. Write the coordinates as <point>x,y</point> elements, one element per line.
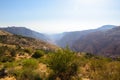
<point>101,42</point>
<point>69,38</point>
<point>18,40</point>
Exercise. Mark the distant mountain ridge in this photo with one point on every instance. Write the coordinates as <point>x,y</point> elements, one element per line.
<point>70,37</point>
<point>25,32</point>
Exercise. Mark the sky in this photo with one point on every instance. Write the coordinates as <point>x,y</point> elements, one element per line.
<point>56,16</point>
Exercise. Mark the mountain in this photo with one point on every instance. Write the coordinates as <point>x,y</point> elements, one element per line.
<point>25,32</point>
<point>106,27</point>
<point>105,43</point>
<point>7,38</point>
<point>69,38</point>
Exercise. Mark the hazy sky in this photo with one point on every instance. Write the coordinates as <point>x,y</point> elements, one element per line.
<point>51,16</point>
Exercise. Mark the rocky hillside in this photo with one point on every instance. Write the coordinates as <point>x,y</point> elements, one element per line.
<point>11,39</point>
<point>69,38</point>
<point>101,42</point>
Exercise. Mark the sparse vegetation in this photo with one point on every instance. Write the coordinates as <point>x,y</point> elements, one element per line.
<point>62,64</point>
<point>29,63</point>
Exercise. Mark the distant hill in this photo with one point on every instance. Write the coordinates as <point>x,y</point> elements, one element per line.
<point>101,42</point>
<point>7,38</point>
<point>25,32</point>
<point>69,38</point>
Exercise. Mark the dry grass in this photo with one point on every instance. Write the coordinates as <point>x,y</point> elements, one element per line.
<point>43,70</point>
<point>8,78</point>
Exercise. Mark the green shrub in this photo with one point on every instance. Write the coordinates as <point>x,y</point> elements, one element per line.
<point>28,50</point>
<point>27,74</point>
<point>104,69</point>
<point>30,63</point>
<point>38,54</point>
<point>10,64</point>
<point>6,59</point>
<point>3,49</point>
<point>112,71</point>
<point>25,71</point>
<point>64,64</point>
